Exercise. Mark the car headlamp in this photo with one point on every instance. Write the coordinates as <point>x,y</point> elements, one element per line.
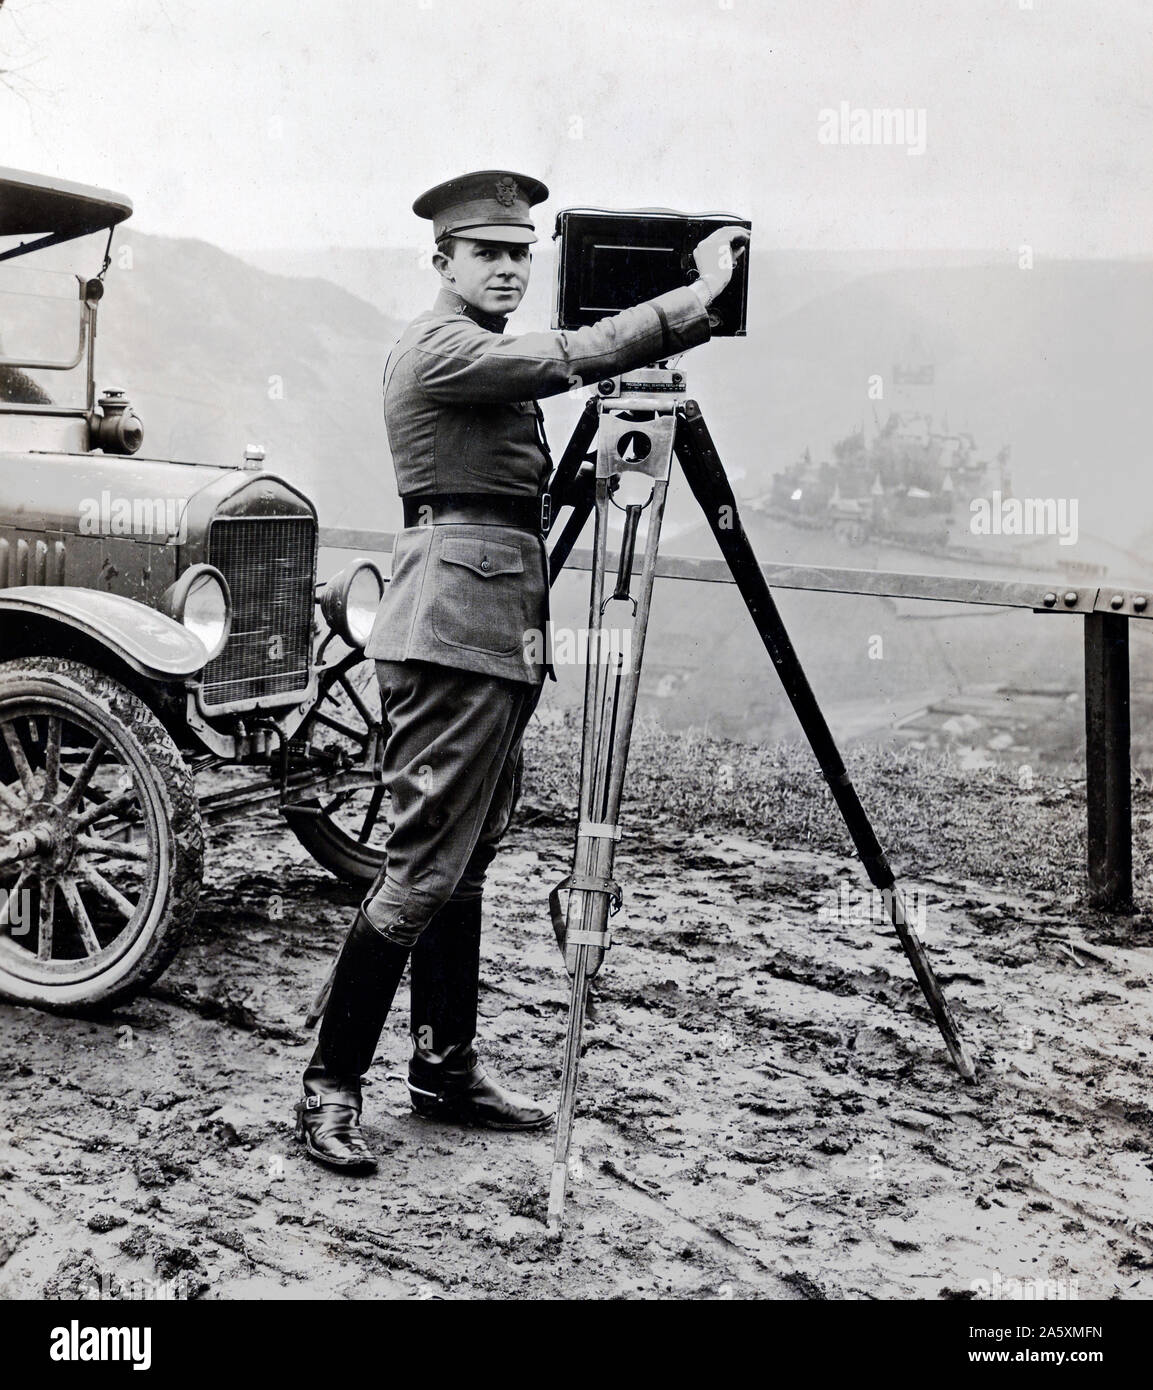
<point>350,601</point>
<point>201,602</point>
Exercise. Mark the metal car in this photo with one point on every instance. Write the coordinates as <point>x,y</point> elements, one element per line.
<point>160,625</point>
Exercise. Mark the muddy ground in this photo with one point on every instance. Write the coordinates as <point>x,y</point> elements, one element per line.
<point>766,1108</point>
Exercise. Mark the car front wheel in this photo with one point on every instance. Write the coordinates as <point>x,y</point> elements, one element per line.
<point>101,847</point>
<point>344,827</point>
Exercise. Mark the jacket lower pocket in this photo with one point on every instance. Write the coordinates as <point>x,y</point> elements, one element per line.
<point>483,599</point>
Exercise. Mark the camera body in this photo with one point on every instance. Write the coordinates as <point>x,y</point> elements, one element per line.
<point>608,261</point>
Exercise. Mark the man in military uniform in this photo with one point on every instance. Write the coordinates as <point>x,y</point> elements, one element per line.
<point>455,642</point>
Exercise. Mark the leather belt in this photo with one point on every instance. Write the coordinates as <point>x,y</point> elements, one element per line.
<point>478,509</point>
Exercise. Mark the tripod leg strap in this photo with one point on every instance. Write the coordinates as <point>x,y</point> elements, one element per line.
<point>599,830</point>
<point>601,939</point>
<point>587,883</point>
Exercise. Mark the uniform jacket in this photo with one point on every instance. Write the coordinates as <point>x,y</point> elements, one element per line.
<point>460,408</point>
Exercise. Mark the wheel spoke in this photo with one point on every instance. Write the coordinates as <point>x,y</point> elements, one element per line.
<point>19,760</point>
<point>354,695</point>
<point>52,758</point>
<point>371,815</point>
<point>84,776</point>
<point>345,733</point>
<point>96,880</point>
<point>47,918</point>
<point>80,916</point>
<point>337,801</point>
<point>9,798</point>
<point>104,808</point>
<point>114,849</point>
<point>341,728</point>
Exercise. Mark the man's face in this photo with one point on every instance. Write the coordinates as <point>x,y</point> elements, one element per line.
<point>489,275</point>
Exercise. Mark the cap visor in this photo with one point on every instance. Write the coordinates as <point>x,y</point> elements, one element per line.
<point>497,232</point>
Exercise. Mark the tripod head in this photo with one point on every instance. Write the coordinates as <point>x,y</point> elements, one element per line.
<point>636,415</point>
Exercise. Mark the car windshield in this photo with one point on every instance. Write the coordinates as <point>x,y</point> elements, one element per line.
<point>41,336</point>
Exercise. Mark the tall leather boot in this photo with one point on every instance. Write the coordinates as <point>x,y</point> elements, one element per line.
<point>445,1080</point>
<point>365,981</point>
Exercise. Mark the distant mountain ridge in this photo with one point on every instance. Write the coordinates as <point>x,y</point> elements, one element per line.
<point>1053,361</point>
<point>217,353</point>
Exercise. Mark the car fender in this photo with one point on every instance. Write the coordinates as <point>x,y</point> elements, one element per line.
<point>151,643</point>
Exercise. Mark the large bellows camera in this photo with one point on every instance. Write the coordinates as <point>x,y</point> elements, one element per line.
<point>609,261</point>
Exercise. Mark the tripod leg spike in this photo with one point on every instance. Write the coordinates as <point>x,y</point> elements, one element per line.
<point>556,1197</point>
<point>566,1109</point>
<point>930,985</point>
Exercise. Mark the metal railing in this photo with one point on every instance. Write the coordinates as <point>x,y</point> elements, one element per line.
<point>1107,612</point>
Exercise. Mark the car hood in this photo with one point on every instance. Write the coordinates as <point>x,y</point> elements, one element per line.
<point>149,499</point>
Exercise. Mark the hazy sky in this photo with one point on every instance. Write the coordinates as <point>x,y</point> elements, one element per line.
<point>267,123</point>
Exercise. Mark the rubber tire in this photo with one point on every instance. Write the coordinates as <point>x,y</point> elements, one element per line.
<point>331,851</point>
<point>327,844</point>
<point>165,779</point>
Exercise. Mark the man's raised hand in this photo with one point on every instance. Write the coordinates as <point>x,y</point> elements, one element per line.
<point>715,258</point>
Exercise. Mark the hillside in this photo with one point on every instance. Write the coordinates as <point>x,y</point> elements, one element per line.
<point>1052,361</point>
<point>199,338</point>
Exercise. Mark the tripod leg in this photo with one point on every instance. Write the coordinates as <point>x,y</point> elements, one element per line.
<point>568,489</point>
<point>582,504</point>
<point>320,1003</point>
<point>710,486</point>
<point>610,707</point>
<point>584,432</point>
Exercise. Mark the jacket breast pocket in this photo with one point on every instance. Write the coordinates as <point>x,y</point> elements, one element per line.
<point>481,598</point>
<point>500,444</point>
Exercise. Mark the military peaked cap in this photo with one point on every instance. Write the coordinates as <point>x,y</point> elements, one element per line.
<point>492,205</point>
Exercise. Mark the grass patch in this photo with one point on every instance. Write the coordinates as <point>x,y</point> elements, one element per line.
<point>931,814</point>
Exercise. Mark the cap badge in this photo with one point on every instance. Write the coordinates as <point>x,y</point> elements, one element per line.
<point>507,192</point>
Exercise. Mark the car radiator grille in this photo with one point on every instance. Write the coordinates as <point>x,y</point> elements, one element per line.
<point>270,565</point>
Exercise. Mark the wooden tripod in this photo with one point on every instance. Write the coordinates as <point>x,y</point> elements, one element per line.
<point>641,421</point>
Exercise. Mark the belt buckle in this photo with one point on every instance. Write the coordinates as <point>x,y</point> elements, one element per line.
<point>545,512</point>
